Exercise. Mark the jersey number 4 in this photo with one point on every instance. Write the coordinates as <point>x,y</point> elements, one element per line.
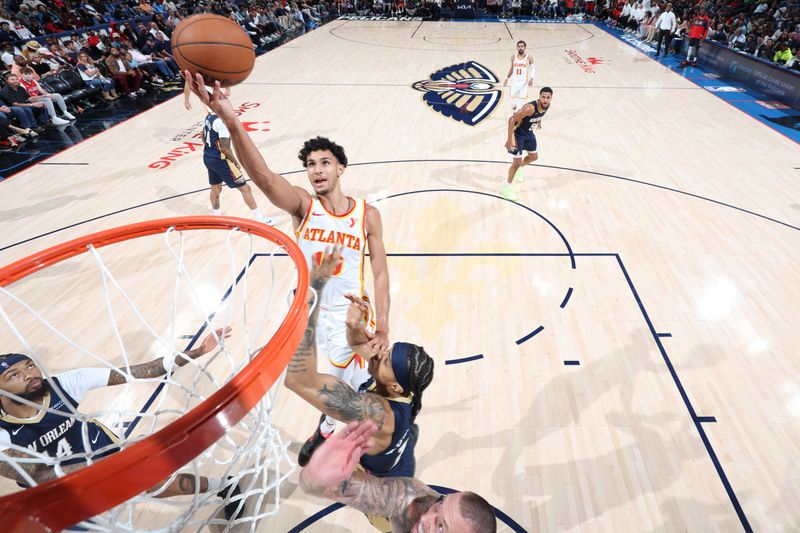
<point>63,448</point>
<point>318,261</point>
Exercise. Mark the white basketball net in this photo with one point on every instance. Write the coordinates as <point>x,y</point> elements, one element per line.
<point>126,304</point>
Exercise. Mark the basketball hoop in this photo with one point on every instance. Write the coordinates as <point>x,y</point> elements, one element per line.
<point>143,464</point>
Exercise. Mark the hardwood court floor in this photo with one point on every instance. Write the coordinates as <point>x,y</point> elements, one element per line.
<point>656,243</point>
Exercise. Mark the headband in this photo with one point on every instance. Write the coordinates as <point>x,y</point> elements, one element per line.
<point>11,359</point>
<point>400,365</point>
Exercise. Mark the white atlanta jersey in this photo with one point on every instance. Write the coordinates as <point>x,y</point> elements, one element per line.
<point>520,70</point>
<point>320,230</point>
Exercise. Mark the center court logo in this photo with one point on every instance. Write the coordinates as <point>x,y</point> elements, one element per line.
<point>465,92</point>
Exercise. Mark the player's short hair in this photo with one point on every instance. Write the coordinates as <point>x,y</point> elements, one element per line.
<point>545,90</point>
<point>26,70</point>
<point>478,513</point>
<point>523,42</point>
<point>322,143</point>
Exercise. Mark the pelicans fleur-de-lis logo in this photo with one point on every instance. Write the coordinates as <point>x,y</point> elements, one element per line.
<point>465,92</point>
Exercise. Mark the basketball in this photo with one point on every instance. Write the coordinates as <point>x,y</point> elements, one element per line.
<point>215,47</point>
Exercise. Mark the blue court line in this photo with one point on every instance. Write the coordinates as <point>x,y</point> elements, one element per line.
<point>706,419</point>
<point>319,515</point>
<point>697,420</point>
<point>566,298</point>
<point>572,362</point>
<point>498,197</point>
<point>664,334</point>
<point>133,423</point>
<point>687,402</point>
<point>530,335</point>
<point>464,359</point>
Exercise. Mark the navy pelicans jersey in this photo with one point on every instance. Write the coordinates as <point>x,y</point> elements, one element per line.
<point>211,136</point>
<point>528,123</point>
<point>397,460</point>
<point>321,229</point>
<point>60,434</point>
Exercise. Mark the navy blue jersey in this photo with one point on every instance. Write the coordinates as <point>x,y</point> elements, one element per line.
<point>60,434</point>
<point>397,460</point>
<point>212,127</point>
<point>529,122</point>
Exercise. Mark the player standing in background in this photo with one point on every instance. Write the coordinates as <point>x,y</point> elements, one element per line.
<point>697,32</point>
<point>222,167</point>
<point>521,75</point>
<point>521,137</point>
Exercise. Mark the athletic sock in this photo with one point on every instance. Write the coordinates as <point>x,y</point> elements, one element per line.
<point>257,213</point>
<point>327,426</point>
<point>216,212</point>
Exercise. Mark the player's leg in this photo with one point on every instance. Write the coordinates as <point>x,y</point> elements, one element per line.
<point>516,163</point>
<point>247,195</point>
<point>213,196</point>
<point>533,155</point>
<point>189,485</point>
<point>234,178</point>
<point>216,186</point>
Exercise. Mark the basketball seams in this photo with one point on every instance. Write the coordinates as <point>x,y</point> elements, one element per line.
<point>215,43</point>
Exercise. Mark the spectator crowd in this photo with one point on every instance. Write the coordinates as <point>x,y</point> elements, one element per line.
<point>60,57</point>
<point>769,30</point>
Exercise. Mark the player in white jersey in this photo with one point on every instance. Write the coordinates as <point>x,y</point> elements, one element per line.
<point>521,75</point>
<point>322,219</point>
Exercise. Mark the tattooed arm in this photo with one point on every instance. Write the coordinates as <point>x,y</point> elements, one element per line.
<point>38,471</point>
<point>155,368</point>
<point>331,395</point>
<point>330,475</point>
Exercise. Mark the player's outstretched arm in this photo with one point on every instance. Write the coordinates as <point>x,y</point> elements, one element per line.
<point>280,192</point>
<point>380,274</point>
<point>331,395</point>
<point>155,368</point>
<point>38,471</point>
<point>330,475</point>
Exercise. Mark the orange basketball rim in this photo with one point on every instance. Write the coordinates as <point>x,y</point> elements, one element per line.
<point>82,494</point>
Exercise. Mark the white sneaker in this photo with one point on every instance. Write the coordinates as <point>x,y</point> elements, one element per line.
<point>68,116</point>
<point>59,121</point>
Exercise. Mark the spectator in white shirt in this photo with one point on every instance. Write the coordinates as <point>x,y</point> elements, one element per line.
<point>666,25</point>
<point>737,40</point>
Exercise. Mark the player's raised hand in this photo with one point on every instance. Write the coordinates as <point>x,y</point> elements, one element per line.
<point>379,341</point>
<point>330,262</point>
<point>357,312</point>
<point>334,461</point>
<point>212,340</point>
<point>213,98</point>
